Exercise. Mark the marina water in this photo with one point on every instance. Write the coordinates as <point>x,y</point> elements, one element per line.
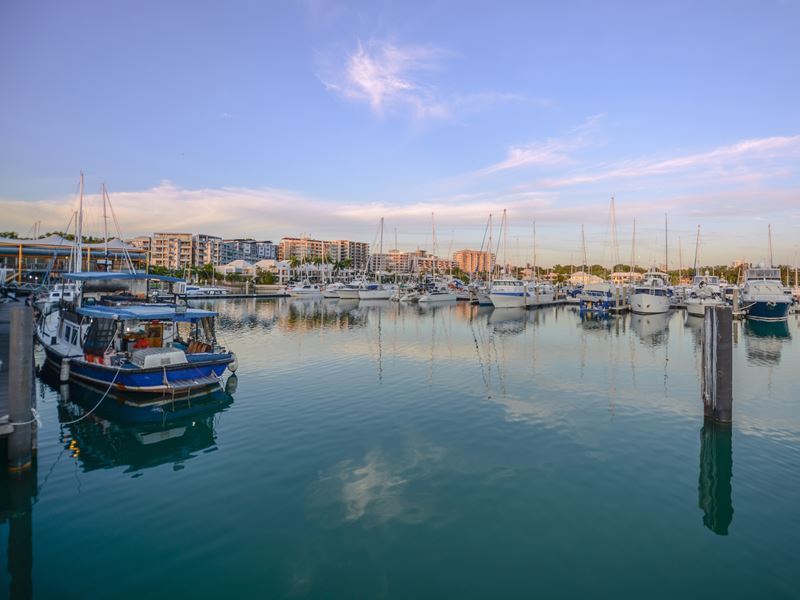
<point>379,450</point>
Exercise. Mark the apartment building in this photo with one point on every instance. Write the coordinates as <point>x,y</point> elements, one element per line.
<point>474,261</point>
<point>340,250</point>
<point>172,250</point>
<point>206,249</point>
<point>302,248</point>
<point>247,249</point>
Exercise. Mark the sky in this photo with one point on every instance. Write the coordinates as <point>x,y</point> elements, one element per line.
<point>270,119</point>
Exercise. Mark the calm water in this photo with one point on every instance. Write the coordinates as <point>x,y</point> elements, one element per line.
<point>377,450</point>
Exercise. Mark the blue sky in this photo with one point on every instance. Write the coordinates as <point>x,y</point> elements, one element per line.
<point>278,118</point>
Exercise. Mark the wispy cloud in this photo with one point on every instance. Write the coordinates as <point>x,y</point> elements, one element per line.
<point>723,157</point>
<point>390,78</point>
<point>553,151</point>
<point>395,79</point>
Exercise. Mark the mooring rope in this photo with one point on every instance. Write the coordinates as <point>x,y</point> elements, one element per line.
<point>111,385</point>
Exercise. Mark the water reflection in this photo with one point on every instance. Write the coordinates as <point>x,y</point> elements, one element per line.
<point>508,321</point>
<point>121,432</point>
<point>716,470</point>
<point>17,497</point>
<point>653,330</point>
<point>764,341</point>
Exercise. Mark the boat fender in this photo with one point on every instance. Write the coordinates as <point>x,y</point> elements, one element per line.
<point>231,385</point>
<point>64,374</point>
<point>234,364</point>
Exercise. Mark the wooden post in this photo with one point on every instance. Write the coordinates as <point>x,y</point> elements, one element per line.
<point>717,385</point>
<point>20,387</point>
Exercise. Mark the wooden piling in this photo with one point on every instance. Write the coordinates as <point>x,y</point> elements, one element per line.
<point>717,385</point>
<point>20,388</point>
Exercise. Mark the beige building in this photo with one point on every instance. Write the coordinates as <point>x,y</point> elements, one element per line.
<point>303,248</point>
<point>474,261</point>
<point>172,250</point>
<point>340,250</point>
<point>206,250</point>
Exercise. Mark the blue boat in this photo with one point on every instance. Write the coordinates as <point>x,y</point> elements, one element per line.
<point>109,337</point>
<point>600,298</point>
<point>763,297</point>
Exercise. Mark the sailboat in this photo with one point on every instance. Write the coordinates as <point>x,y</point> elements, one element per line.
<point>651,297</point>
<point>705,289</point>
<point>436,291</point>
<point>375,290</point>
<point>507,291</point>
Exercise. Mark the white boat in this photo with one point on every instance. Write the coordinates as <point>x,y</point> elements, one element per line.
<point>651,297</point>
<point>66,291</point>
<point>438,294</point>
<point>412,295</point>
<point>705,291</point>
<point>376,291</point>
<point>763,298</point>
<point>508,293</point>
<point>332,290</point>
<point>540,294</point>
<point>305,289</point>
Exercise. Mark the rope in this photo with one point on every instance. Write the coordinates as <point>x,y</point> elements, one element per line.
<point>98,403</point>
<point>36,419</point>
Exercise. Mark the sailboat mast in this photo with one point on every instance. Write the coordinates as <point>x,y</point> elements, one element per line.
<point>614,239</point>
<point>534,251</point>
<point>583,245</point>
<point>79,231</point>
<point>504,225</point>
<point>492,263</point>
<point>769,230</point>
<point>666,246</point>
<point>433,245</point>
<point>105,225</point>
<point>633,253</point>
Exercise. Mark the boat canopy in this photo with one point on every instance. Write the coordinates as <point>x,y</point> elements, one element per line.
<point>144,312</point>
<point>100,275</point>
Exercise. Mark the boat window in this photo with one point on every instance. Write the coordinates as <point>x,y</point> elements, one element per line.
<point>99,337</point>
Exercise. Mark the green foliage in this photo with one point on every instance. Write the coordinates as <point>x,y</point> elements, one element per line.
<point>9,234</point>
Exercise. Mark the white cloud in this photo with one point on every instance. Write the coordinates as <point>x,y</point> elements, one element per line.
<point>715,160</point>
<point>553,151</point>
<point>394,79</point>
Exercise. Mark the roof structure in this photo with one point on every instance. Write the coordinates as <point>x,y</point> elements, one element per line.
<point>144,312</point>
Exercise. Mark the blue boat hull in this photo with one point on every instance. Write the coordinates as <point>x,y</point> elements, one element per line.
<point>200,373</point>
<point>768,311</point>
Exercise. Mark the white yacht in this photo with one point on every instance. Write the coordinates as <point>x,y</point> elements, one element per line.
<point>376,291</point>
<point>651,297</point>
<point>332,290</point>
<point>305,289</point>
<point>540,293</point>
<point>705,291</point>
<point>438,294</point>
<point>508,293</point>
<point>763,297</point>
